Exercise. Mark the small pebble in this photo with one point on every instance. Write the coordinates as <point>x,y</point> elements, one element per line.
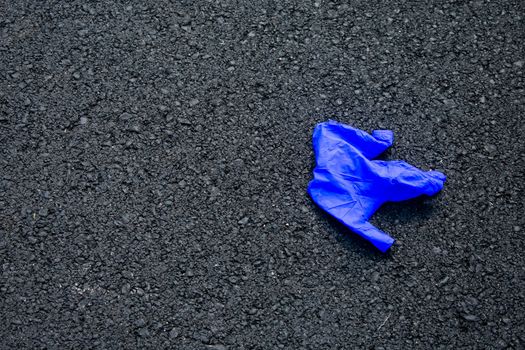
<point>184,121</point>
<point>216,347</point>
<point>490,148</point>
<point>375,276</point>
<point>174,333</point>
<point>244,220</point>
<point>443,281</point>
<point>143,332</point>
<point>125,116</point>
<point>471,318</point>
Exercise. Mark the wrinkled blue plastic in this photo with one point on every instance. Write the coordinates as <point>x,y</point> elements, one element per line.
<point>351,186</point>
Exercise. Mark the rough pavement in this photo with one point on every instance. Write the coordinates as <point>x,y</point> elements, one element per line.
<point>155,155</point>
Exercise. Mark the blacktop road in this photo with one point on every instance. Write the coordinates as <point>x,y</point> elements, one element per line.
<point>154,158</point>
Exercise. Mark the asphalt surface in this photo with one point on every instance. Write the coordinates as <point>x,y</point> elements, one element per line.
<point>154,158</point>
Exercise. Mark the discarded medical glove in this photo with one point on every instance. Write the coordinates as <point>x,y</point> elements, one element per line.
<point>351,186</point>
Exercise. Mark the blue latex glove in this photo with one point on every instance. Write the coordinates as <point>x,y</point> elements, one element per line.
<point>351,186</point>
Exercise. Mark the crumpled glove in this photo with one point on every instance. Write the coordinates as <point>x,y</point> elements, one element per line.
<point>350,186</point>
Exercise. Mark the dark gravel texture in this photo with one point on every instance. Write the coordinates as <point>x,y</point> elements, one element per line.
<point>155,155</point>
